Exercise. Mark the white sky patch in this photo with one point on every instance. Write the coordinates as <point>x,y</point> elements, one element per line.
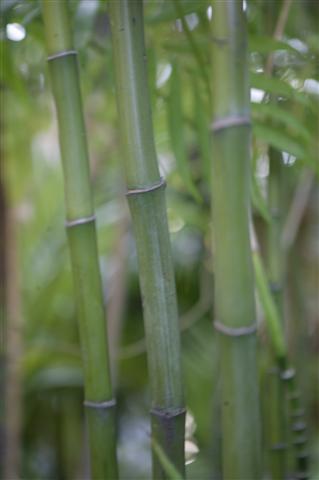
<point>295,83</point>
<point>163,73</point>
<point>175,223</point>
<point>15,32</point>
<point>298,45</point>
<point>244,5</point>
<point>256,95</point>
<point>87,8</point>
<point>209,12</point>
<point>262,167</point>
<point>166,163</point>
<point>192,20</point>
<point>311,86</point>
<point>179,25</point>
<point>288,159</point>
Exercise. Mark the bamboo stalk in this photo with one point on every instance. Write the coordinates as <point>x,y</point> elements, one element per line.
<point>147,205</point>
<point>286,372</point>
<point>277,433</point>
<point>99,403</point>
<point>14,352</point>
<point>234,292</point>
<point>283,380</point>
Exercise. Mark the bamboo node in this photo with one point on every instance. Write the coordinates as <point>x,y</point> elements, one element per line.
<point>61,54</point>
<point>79,221</point>
<point>275,287</point>
<point>299,427</point>
<point>168,412</point>
<point>107,404</point>
<point>148,188</point>
<point>230,121</point>
<point>235,331</point>
<point>278,446</point>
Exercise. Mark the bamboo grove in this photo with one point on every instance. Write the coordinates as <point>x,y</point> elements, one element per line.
<point>172,338</point>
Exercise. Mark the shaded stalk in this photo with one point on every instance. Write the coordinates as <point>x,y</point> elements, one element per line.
<point>146,200</point>
<point>234,291</point>
<point>194,47</point>
<point>14,353</point>
<point>99,403</point>
<point>277,433</point>
<point>286,372</point>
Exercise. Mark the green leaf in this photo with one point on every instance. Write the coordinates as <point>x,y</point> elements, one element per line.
<point>177,131</point>
<point>258,201</point>
<point>170,470</point>
<point>279,87</point>
<point>275,113</point>
<point>166,12</point>
<point>202,128</point>
<point>280,140</point>
<point>267,44</point>
<point>57,377</point>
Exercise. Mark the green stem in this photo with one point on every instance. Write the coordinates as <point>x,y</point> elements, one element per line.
<point>277,434</point>
<point>147,205</point>
<point>194,47</point>
<point>286,373</point>
<point>234,293</point>
<point>82,239</point>
<point>275,201</point>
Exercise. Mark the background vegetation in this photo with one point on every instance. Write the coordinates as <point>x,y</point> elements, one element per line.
<point>39,330</point>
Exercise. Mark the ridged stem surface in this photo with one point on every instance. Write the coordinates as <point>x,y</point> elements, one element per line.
<point>82,240</point>
<point>234,281</point>
<point>148,211</point>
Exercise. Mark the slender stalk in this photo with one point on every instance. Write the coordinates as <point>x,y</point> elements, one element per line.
<point>14,353</point>
<point>287,374</point>
<point>234,292</point>
<point>275,201</point>
<point>281,381</point>
<point>147,205</point>
<point>277,433</point>
<point>100,407</point>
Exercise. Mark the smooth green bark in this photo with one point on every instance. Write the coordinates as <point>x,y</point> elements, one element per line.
<point>148,210</point>
<point>82,240</point>
<point>234,281</point>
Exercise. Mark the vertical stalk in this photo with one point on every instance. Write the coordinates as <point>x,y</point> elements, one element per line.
<point>275,253</point>
<point>146,200</point>
<point>277,433</point>
<point>287,374</point>
<point>234,291</point>
<point>99,403</point>
<point>14,352</point>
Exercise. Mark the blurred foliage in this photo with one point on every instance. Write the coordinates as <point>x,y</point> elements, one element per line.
<point>178,52</point>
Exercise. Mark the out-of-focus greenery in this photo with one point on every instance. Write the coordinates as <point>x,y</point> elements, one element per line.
<point>178,59</point>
